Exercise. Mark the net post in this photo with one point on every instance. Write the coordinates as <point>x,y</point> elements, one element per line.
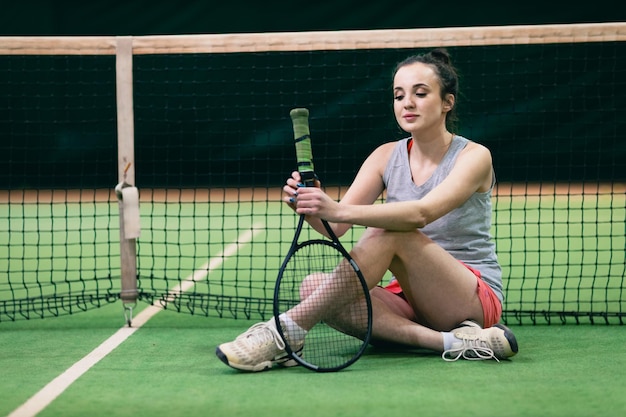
<point>126,166</point>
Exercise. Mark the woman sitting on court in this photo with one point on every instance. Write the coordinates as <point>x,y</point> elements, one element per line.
<point>432,233</point>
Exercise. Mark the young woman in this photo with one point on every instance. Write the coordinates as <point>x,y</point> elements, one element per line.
<point>432,233</point>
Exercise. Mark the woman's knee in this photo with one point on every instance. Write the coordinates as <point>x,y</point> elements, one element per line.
<point>310,284</point>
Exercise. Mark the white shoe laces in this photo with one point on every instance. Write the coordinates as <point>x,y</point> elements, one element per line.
<point>261,334</point>
<point>472,349</point>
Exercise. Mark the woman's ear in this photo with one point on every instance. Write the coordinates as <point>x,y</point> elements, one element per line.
<point>448,103</point>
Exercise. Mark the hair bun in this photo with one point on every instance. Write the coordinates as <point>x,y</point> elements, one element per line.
<point>440,54</point>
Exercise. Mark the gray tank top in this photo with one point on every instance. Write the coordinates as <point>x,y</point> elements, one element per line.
<point>465,231</point>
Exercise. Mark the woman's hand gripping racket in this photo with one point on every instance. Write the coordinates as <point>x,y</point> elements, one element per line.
<point>319,275</point>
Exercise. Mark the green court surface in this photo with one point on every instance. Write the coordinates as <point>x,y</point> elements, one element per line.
<point>168,368</point>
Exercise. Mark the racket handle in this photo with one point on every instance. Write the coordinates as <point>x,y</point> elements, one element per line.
<point>302,138</point>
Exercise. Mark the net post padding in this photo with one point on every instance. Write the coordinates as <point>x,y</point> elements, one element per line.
<point>126,161</point>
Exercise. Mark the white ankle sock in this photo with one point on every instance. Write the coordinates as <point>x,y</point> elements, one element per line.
<point>448,340</point>
<point>295,332</point>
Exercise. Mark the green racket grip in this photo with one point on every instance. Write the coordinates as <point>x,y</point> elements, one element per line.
<point>302,138</point>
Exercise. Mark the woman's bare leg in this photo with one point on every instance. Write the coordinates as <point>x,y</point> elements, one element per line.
<point>441,292</point>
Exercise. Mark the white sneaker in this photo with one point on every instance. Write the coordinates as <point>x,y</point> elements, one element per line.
<point>476,343</point>
<point>257,349</point>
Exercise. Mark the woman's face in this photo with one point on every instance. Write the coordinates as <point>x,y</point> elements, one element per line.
<point>418,106</point>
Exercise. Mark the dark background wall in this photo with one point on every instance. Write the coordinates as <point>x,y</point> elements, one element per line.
<point>147,17</point>
<point>550,113</point>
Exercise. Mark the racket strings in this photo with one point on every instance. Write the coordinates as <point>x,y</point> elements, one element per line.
<point>318,277</point>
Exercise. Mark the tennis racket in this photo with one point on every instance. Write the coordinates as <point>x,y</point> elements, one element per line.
<point>321,276</point>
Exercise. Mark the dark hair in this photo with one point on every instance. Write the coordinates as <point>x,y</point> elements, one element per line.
<point>440,60</point>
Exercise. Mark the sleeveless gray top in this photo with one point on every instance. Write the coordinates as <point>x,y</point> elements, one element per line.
<point>465,231</point>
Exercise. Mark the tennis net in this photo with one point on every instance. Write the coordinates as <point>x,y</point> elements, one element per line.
<point>200,125</point>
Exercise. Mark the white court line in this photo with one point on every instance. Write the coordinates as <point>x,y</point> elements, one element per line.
<point>35,404</point>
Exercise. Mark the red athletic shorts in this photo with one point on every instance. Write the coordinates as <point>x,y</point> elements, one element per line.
<point>492,307</point>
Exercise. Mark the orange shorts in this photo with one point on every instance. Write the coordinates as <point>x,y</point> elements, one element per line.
<point>492,307</point>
